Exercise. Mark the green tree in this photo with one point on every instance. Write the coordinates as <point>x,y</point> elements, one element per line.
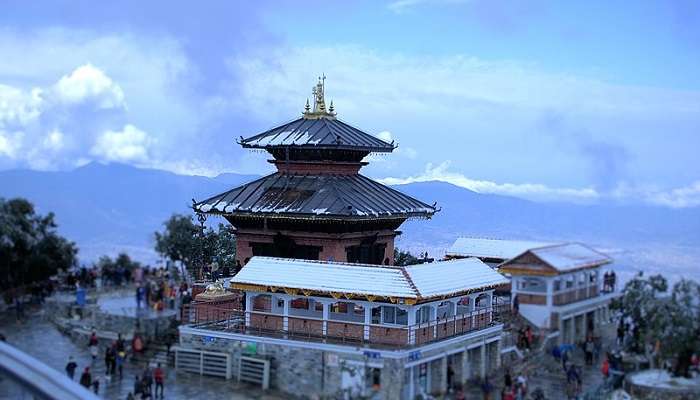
<point>183,241</point>
<point>402,258</point>
<point>672,320</point>
<point>30,248</point>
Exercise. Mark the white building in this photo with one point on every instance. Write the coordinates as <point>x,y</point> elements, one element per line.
<point>559,288</point>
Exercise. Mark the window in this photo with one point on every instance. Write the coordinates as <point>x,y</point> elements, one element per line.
<point>463,305</point>
<point>280,303</point>
<point>557,285</point>
<point>359,310</point>
<point>375,377</point>
<point>339,308</point>
<point>533,285</point>
<point>389,315</point>
<point>318,306</point>
<point>401,317</point>
<point>262,302</point>
<point>423,315</point>
<point>376,315</point>
<point>300,304</point>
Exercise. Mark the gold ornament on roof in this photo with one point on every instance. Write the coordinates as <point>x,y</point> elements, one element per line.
<point>319,110</point>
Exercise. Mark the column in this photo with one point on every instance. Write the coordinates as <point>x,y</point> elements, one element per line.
<point>433,310</point>
<point>572,329</point>
<point>248,307</point>
<point>326,314</point>
<point>482,364</point>
<point>411,310</point>
<point>285,314</point>
<point>472,308</point>
<point>368,319</point>
<point>411,384</point>
<point>498,353</point>
<point>443,374</point>
<point>465,366</point>
<point>550,292</point>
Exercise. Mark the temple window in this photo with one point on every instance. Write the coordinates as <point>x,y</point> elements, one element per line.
<point>533,285</point>
<point>482,301</point>
<point>394,315</point>
<point>444,309</point>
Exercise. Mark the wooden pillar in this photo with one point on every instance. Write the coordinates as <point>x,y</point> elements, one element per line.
<point>443,375</point>
<point>482,364</point>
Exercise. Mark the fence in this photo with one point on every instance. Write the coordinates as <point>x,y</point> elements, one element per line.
<point>342,332</point>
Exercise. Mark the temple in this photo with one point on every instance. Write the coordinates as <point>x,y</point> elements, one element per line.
<point>317,307</point>
<point>316,206</point>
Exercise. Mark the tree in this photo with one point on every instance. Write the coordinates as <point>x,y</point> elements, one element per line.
<point>672,320</point>
<point>30,248</point>
<point>183,241</point>
<point>403,258</point>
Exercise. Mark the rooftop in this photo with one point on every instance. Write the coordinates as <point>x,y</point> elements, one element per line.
<point>492,248</point>
<point>312,196</point>
<point>422,281</point>
<point>556,258</point>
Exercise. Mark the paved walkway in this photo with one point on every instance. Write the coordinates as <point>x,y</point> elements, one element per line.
<point>38,337</point>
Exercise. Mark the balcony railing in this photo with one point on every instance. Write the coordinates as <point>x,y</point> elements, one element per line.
<point>575,294</point>
<point>343,332</point>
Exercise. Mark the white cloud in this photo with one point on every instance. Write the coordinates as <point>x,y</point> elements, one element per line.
<point>54,140</point>
<point>385,136</point>
<point>88,83</point>
<point>128,145</point>
<point>533,191</point>
<point>10,143</point>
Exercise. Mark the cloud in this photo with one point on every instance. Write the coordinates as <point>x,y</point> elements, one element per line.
<point>683,197</point>
<point>128,145</point>
<point>385,136</point>
<point>533,191</point>
<point>87,83</point>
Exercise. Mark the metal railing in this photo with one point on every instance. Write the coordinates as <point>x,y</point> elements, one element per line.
<point>260,323</point>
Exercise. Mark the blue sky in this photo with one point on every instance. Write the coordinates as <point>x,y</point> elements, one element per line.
<point>572,101</point>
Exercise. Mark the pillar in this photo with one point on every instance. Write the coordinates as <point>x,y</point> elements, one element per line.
<point>482,364</point>
<point>443,374</point>
<point>248,307</point>
<point>285,314</point>
<point>572,329</point>
<point>498,353</point>
<point>411,310</point>
<point>550,292</point>
<point>326,313</point>
<point>433,310</point>
<point>411,384</point>
<point>368,320</point>
<point>465,367</point>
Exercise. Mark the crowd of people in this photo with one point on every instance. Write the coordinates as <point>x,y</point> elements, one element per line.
<point>115,357</point>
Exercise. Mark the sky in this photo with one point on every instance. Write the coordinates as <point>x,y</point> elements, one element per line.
<point>586,102</point>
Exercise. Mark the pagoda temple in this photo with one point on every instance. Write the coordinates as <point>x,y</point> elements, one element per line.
<point>317,206</point>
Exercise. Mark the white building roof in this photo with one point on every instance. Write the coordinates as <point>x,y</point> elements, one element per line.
<point>492,248</point>
<point>446,277</point>
<point>569,256</point>
<point>325,276</point>
<point>416,281</point>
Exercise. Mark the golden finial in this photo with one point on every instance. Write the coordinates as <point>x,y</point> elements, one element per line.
<point>319,109</point>
<point>307,107</point>
<point>330,109</point>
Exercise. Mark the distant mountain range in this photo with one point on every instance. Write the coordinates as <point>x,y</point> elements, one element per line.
<point>114,207</point>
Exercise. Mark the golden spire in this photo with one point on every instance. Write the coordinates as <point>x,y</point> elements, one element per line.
<point>319,110</point>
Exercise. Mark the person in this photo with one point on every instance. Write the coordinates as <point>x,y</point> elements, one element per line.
<point>138,385</point>
<point>70,367</point>
<point>139,296</point>
<point>130,396</point>
<point>588,348</point>
<point>620,333</point>
<point>148,382</point>
<point>612,281</point>
<point>159,377</point>
<point>605,368</point>
<point>92,344</point>
<point>137,344</point>
<point>522,386</point>
<point>121,356</point>
<point>507,379</point>
<point>86,378</point>
<point>96,385</point>
<point>121,346</point>
<point>528,337</point>
<point>108,358</point>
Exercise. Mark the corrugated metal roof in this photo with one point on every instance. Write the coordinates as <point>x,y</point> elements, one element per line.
<point>318,133</point>
<point>348,196</point>
<point>446,277</point>
<point>325,276</point>
<point>492,248</point>
<point>570,256</point>
<point>439,278</point>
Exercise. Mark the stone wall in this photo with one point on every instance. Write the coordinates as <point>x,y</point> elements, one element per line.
<point>314,372</point>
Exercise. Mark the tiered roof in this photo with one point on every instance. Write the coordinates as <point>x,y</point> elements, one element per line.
<point>411,283</point>
<point>311,196</point>
<point>318,133</point>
